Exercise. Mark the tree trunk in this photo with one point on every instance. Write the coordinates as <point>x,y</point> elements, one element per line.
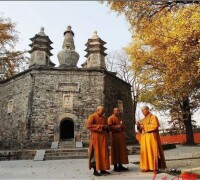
<point>187,119</point>
<point>134,107</point>
<point>134,115</point>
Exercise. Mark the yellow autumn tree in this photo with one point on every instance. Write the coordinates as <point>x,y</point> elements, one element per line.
<point>10,60</point>
<point>166,48</point>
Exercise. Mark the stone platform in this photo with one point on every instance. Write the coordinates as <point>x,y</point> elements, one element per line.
<point>54,154</point>
<point>62,153</point>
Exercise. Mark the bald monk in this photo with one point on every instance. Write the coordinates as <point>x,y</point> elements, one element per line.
<point>119,153</point>
<point>151,152</point>
<point>98,150</point>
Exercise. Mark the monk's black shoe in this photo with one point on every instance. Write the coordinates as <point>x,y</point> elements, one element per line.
<point>121,168</point>
<point>116,169</point>
<point>96,173</point>
<point>104,172</point>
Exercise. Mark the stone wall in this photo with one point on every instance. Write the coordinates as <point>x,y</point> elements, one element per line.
<point>44,97</point>
<point>14,95</point>
<point>117,90</point>
<point>48,109</point>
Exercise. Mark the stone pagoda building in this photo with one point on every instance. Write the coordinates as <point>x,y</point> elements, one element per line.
<point>46,104</point>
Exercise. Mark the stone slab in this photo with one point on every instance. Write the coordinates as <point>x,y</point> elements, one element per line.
<point>79,144</point>
<point>39,156</point>
<point>54,145</point>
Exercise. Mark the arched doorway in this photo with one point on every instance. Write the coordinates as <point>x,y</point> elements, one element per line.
<point>66,129</point>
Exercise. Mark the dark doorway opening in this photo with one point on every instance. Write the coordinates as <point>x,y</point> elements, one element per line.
<point>67,129</point>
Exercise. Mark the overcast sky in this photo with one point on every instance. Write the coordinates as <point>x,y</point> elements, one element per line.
<point>84,16</point>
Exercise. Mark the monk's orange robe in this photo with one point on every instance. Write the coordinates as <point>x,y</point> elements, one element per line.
<point>151,151</point>
<point>119,154</point>
<point>98,142</point>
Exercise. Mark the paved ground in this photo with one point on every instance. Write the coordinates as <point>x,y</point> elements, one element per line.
<point>78,169</point>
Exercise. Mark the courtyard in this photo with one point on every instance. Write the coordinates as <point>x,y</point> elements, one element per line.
<point>181,158</point>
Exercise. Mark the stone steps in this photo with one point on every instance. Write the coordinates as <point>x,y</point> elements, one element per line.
<point>66,153</point>
<point>70,150</point>
<point>67,144</point>
<point>17,155</point>
<point>26,158</point>
<point>77,153</point>
<point>64,156</point>
<point>55,154</point>
<point>16,158</point>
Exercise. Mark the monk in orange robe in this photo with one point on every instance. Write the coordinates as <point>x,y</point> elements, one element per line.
<point>98,149</point>
<point>151,151</point>
<point>119,154</point>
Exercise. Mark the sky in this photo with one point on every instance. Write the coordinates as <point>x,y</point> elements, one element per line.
<point>85,17</point>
